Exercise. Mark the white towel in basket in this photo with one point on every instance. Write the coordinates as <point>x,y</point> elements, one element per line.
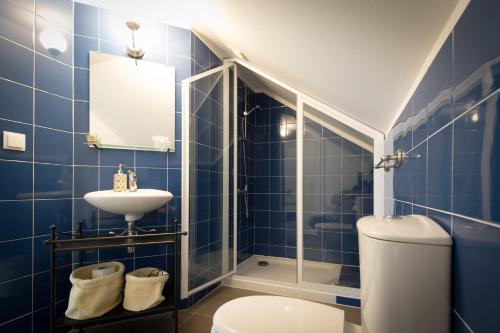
<point>93,297</point>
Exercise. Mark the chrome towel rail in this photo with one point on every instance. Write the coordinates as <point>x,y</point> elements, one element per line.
<point>397,160</point>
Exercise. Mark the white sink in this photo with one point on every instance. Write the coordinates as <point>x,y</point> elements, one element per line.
<point>131,204</point>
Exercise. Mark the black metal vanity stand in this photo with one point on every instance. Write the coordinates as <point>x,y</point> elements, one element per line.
<point>80,243</point>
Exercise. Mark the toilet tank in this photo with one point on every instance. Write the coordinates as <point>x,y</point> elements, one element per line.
<point>405,265</point>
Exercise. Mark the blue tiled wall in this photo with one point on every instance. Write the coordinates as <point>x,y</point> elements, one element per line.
<point>453,122</point>
<point>272,180</point>
<point>338,187</point>
<point>44,95</point>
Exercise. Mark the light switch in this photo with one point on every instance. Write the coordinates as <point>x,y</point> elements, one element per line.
<point>14,141</point>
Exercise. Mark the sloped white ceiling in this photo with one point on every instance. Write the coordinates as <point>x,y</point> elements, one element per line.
<point>362,57</point>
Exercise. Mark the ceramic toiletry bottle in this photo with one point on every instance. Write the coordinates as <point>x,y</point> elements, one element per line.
<point>120,180</point>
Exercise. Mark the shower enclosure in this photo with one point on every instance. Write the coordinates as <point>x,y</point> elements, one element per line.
<point>273,184</point>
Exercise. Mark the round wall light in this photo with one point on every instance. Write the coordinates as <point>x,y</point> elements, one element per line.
<point>53,41</point>
<point>475,117</point>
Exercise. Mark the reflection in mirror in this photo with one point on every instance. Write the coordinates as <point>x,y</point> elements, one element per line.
<point>132,103</point>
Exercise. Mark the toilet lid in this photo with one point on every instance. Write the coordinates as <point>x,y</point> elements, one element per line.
<point>276,314</point>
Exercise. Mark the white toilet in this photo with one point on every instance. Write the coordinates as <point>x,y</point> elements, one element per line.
<point>277,314</point>
<point>405,264</point>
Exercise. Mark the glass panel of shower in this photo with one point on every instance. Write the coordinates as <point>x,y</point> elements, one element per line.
<point>337,191</point>
<point>208,170</point>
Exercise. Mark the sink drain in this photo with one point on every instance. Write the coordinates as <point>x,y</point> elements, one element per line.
<point>263,263</point>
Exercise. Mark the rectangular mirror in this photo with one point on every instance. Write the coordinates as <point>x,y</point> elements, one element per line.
<point>132,103</point>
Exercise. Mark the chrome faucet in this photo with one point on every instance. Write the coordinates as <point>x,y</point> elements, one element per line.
<point>132,181</point>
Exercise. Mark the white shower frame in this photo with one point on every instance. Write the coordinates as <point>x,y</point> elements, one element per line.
<point>225,69</point>
<point>303,289</point>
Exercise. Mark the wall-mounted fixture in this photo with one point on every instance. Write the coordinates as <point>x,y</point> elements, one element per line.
<point>54,41</point>
<point>133,50</point>
<point>287,126</point>
<point>14,141</point>
<point>474,116</point>
<point>93,141</point>
<point>238,53</point>
<point>398,158</point>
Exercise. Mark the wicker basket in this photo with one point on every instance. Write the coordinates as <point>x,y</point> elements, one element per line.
<point>93,297</point>
<point>144,288</point>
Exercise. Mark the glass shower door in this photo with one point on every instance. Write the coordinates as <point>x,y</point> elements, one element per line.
<point>208,251</point>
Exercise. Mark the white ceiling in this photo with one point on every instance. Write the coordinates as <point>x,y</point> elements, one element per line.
<point>362,57</point>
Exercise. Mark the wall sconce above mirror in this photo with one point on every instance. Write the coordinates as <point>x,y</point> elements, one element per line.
<point>132,49</point>
<point>131,106</point>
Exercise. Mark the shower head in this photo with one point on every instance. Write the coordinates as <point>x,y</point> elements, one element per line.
<point>247,113</point>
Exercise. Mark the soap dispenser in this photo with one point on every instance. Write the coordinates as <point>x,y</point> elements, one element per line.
<point>120,180</point>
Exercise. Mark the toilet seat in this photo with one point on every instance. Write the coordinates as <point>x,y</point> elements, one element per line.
<point>277,314</point>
